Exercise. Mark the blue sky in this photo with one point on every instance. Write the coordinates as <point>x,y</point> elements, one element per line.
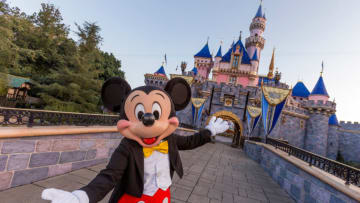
<point>303,32</point>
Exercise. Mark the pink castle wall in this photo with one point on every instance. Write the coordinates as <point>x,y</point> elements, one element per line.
<point>318,97</point>
<point>244,81</point>
<point>222,78</point>
<point>203,72</point>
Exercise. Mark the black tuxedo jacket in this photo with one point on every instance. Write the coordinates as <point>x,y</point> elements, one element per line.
<point>125,170</point>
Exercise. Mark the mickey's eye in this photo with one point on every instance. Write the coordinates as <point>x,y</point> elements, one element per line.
<point>139,111</point>
<point>156,110</point>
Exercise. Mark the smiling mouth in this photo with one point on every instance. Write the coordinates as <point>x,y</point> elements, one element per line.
<point>149,141</point>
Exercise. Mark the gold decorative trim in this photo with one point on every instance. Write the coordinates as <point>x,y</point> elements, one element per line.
<point>189,79</point>
<point>254,111</point>
<point>227,115</point>
<point>198,102</point>
<point>274,95</point>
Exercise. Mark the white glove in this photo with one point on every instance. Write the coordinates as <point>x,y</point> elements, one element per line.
<point>217,125</point>
<point>61,196</point>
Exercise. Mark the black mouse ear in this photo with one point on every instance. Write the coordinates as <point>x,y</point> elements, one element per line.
<point>179,91</point>
<point>113,93</point>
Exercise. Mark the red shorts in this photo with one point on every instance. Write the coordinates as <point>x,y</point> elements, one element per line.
<point>160,196</point>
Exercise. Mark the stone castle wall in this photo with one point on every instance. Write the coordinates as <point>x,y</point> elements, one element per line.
<point>333,142</point>
<point>317,133</point>
<point>349,141</point>
<point>29,159</point>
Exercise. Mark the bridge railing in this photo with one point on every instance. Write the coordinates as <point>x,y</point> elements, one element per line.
<point>32,117</point>
<point>347,173</point>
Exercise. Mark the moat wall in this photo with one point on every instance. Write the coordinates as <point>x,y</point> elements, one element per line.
<point>308,185</point>
<point>28,159</point>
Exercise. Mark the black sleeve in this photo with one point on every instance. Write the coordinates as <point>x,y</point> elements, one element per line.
<point>105,181</point>
<point>193,141</point>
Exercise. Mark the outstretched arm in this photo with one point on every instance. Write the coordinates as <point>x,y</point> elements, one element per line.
<point>193,141</point>
<point>215,126</point>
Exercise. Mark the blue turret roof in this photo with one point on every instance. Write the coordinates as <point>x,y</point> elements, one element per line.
<point>255,56</point>
<point>259,12</point>
<point>333,120</point>
<point>160,71</point>
<point>219,52</point>
<point>300,90</point>
<point>320,88</point>
<point>204,52</point>
<point>245,58</point>
<point>195,70</point>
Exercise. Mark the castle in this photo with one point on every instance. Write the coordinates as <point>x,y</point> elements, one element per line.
<point>308,120</point>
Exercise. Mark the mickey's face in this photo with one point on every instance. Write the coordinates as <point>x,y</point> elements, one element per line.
<point>148,117</point>
<point>148,113</point>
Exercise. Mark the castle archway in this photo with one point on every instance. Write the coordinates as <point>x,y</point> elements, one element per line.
<point>238,127</point>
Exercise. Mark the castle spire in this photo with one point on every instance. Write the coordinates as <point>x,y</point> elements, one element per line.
<point>204,52</point>
<point>320,88</point>
<point>259,13</point>
<point>271,66</point>
<point>255,56</point>
<point>218,54</point>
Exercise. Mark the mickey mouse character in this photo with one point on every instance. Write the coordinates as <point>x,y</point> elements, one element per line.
<point>142,166</point>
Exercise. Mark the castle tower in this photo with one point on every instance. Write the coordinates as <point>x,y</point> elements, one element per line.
<point>333,138</point>
<point>300,91</point>
<point>319,92</point>
<point>158,79</point>
<point>203,62</point>
<point>256,40</point>
<point>320,109</point>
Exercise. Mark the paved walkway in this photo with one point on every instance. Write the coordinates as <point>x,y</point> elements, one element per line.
<point>213,173</point>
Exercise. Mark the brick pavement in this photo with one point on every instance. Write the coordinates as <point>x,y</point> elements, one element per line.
<point>212,173</point>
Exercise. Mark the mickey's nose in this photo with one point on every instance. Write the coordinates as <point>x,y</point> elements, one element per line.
<point>148,119</point>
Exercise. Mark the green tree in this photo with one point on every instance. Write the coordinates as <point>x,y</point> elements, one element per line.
<point>67,75</point>
<point>3,84</point>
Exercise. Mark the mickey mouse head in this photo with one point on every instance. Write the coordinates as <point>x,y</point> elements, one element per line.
<point>147,113</point>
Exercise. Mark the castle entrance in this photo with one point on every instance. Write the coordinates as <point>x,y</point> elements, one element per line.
<point>236,129</point>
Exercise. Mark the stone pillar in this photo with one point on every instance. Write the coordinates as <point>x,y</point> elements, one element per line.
<point>317,133</point>
<point>333,142</point>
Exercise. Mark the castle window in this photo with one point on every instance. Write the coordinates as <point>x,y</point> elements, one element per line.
<point>302,124</point>
<point>283,120</point>
<point>232,79</point>
<point>236,61</point>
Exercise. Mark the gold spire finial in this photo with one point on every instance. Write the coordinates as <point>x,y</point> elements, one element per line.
<point>240,35</point>
<point>272,64</point>
<point>322,68</point>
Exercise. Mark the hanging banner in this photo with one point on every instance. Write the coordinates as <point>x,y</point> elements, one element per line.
<point>253,116</point>
<point>197,107</point>
<point>272,102</point>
